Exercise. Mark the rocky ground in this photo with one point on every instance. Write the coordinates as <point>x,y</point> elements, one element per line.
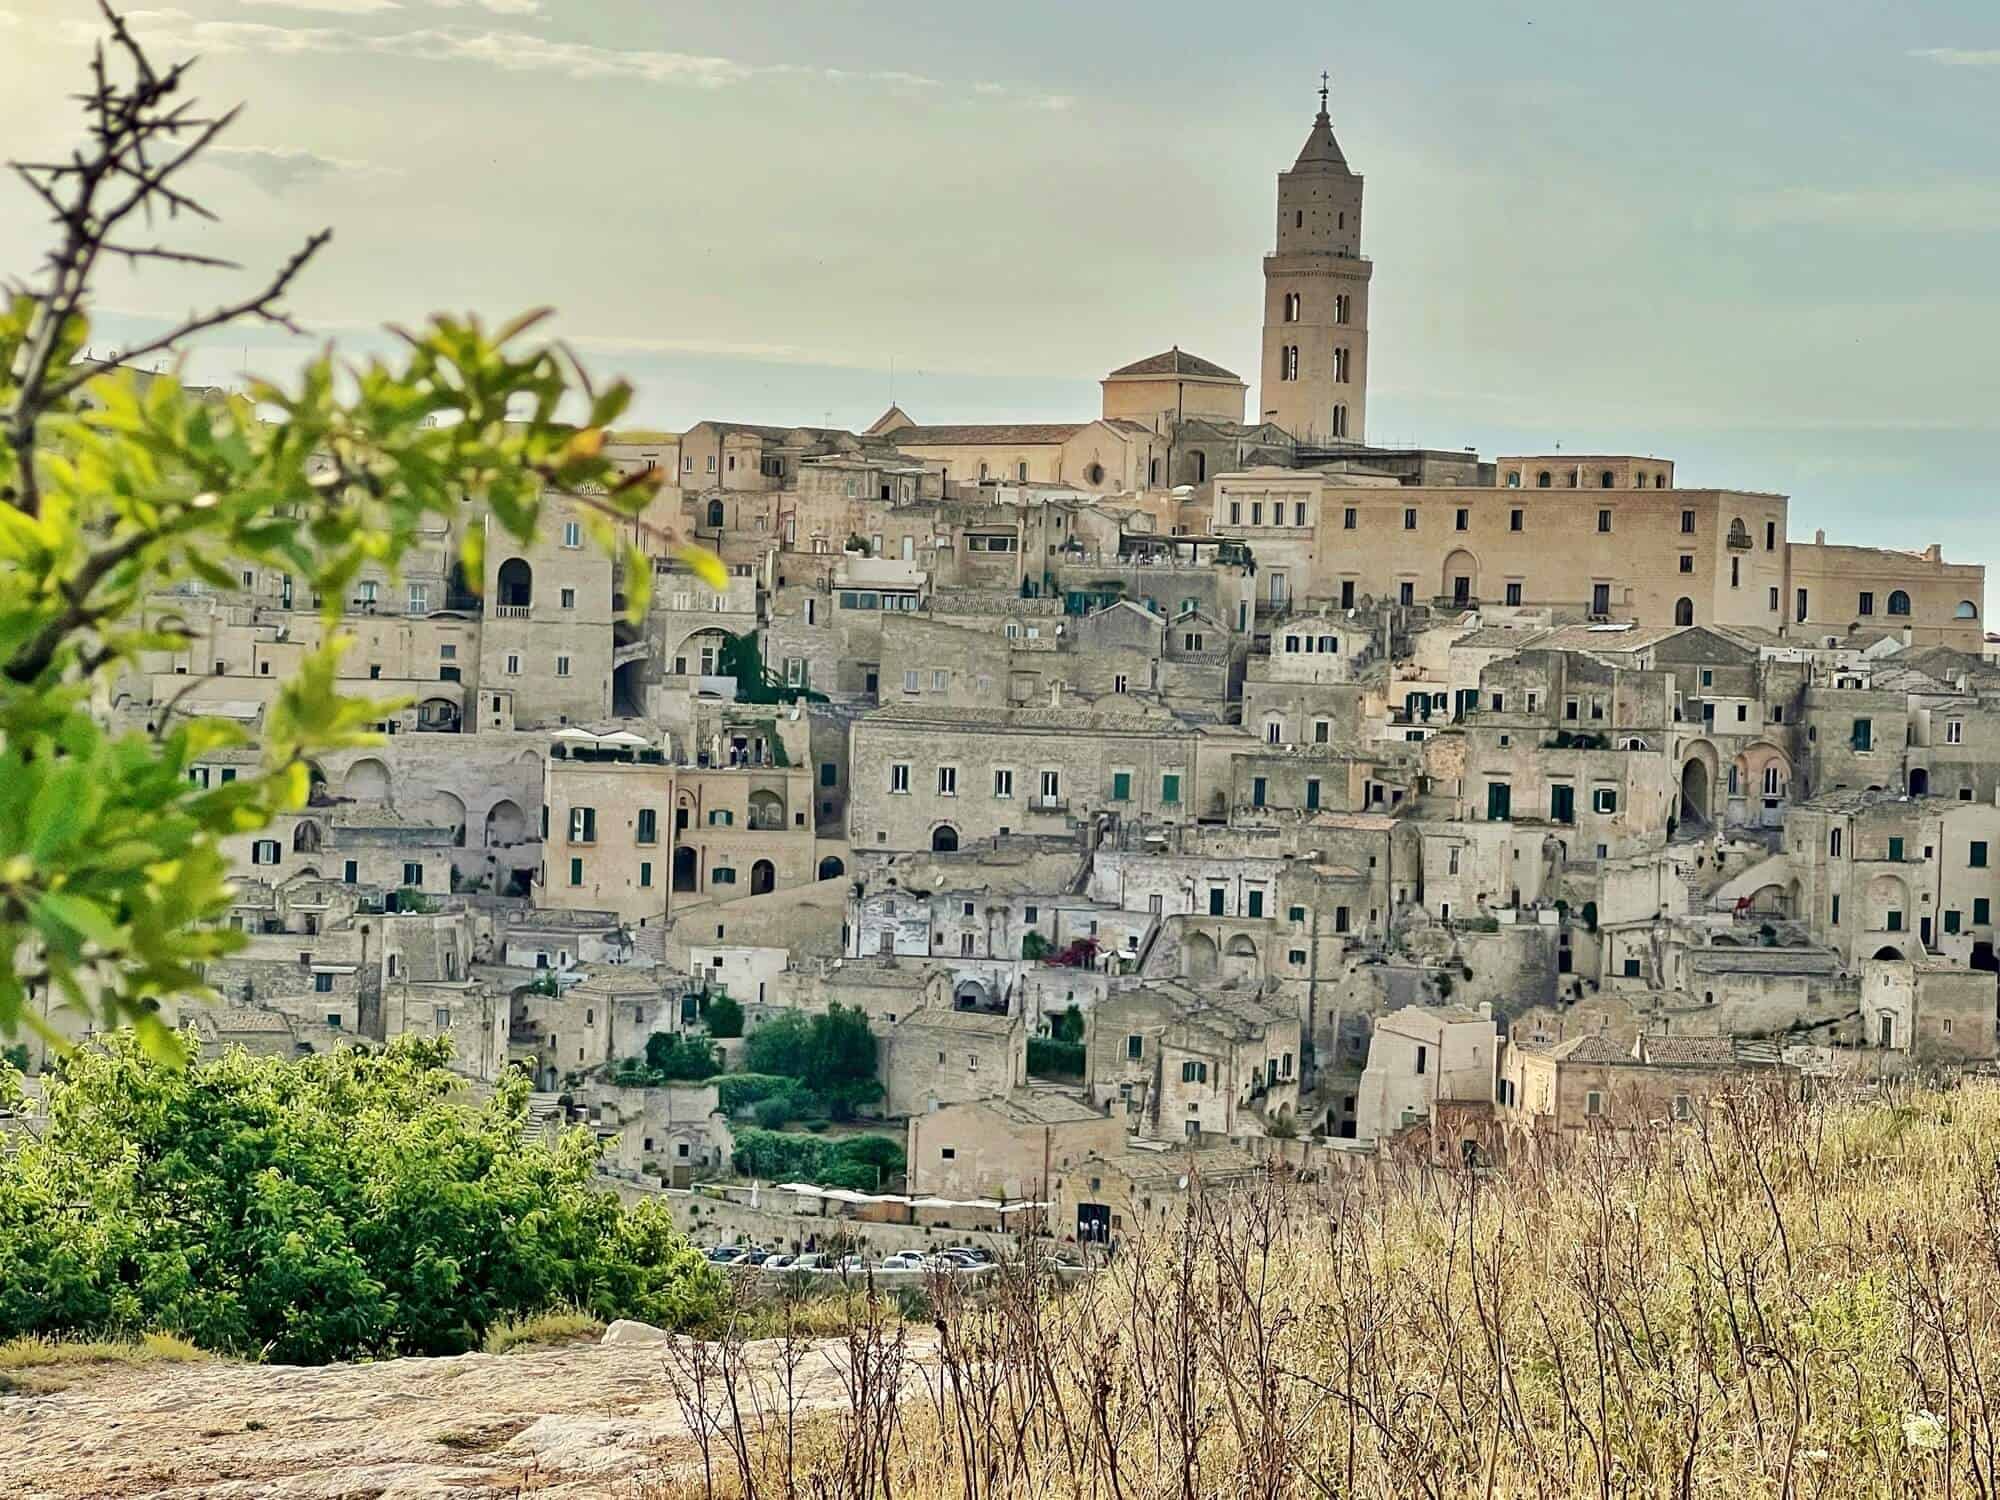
<point>581,1420</point>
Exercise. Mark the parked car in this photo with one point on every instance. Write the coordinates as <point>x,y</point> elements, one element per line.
<point>972,1255</point>
<point>727,1255</point>
<point>780,1262</point>
<point>812,1260</point>
<point>850,1265</point>
<point>754,1256</point>
<point>907,1260</point>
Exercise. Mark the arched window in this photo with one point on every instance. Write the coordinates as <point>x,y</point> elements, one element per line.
<point>1291,307</point>
<point>1606,480</point>
<point>1544,479</point>
<point>715,513</point>
<point>1966,610</point>
<point>1659,481</point>
<point>1684,611</point>
<point>1339,420</point>
<point>1899,603</point>
<point>1200,466</point>
<point>517,583</point>
<point>1093,473</point>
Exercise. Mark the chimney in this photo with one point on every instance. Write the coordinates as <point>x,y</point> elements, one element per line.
<point>1934,553</point>
<point>1819,537</point>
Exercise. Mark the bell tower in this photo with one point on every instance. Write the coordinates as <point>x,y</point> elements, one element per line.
<point>1315,370</point>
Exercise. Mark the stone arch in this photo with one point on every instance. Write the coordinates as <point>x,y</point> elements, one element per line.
<point>1239,960</point>
<point>1684,611</point>
<point>1889,951</point>
<point>1200,957</point>
<point>448,808</point>
<point>970,994</point>
<point>700,653</point>
<point>763,878</point>
<point>438,716</point>
<point>1966,610</point>
<point>1698,783</point>
<point>1460,581</point>
<point>944,839</point>
<point>505,824</point>
<point>305,837</point>
<point>831,868</point>
<point>1899,602</point>
<point>767,810</point>
<point>367,780</point>
<point>1771,900</point>
<point>517,584</point>
<point>1920,782</point>
<point>716,515</point>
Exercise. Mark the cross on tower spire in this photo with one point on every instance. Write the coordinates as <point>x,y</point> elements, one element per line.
<point>1322,93</point>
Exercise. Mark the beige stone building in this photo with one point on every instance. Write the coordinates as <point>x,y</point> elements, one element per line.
<point>1010,1146</point>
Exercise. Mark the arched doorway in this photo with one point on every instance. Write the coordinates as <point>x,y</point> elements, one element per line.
<point>763,877</point>
<point>1888,950</point>
<point>831,868</point>
<point>1920,782</point>
<point>684,868</point>
<point>437,716</point>
<point>1694,792</point>
<point>1684,611</point>
<point>944,839</point>
<point>1461,578</point>
<point>1201,959</point>
<point>305,837</point>
<point>969,994</point>
<point>505,824</point>
<point>715,515</point>
<point>517,584</point>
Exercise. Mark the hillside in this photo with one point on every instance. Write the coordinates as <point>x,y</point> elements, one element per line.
<point>1786,1297</point>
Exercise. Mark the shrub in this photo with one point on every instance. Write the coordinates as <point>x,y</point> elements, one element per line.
<point>334,1206</point>
<point>725,1017</point>
<point>862,1162</point>
<point>1049,1058</point>
<point>832,1054</point>
<point>681,1059</point>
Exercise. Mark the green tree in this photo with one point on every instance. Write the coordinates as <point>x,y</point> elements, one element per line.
<point>112,881</point>
<point>680,1059</point>
<point>331,1206</point>
<point>725,1017</point>
<point>832,1054</point>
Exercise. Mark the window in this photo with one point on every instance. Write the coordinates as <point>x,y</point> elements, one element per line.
<point>1543,480</point>
<point>1687,523</point>
<point>1604,799</point>
<point>1312,792</point>
<point>572,534</point>
<point>1170,789</point>
<point>1340,364</point>
<point>722,875</point>
<point>1600,598</point>
<point>1423,1058</point>
<point>1349,518</point>
<point>1562,803</point>
<point>1051,785</point>
<point>1982,911</point>
<point>1409,518</point>
<point>1288,362</point>
<point>576,872</point>
<point>1867,603</point>
<point>1406,593</point>
<point>1291,307</point>
<point>1135,1048</point>
<point>1341,305</point>
<point>1895,849</point>
<point>1976,856</point>
<point>1593,1103</point>
<point>1773,605</point>
<point>1257,788</point>
<point>649,826</point>
<point>1462,519</point>
<point>947,781</point>
<point>1954,731</point>
<point>1833,915</point>
<point>645,873</point>
<point>513,665</point>
<point>1951,921</point>
<point>583,825</point>
<point>1604,520</point>
<point>1687,562</point>
<point>720,817</point>
<point>562,666</point>
<point>323,984</point>
<point>1121,786</point>
<point>1899,603</point>
<point>264,852</point>
<point>912,681</point>
<point>1770,536</point>
<point>899,777</point>
<point>1833,844</point>
<point>1863,735</point>
<point>1802,605</point>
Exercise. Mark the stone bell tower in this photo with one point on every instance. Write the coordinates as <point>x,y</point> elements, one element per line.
<point>1315,371</point>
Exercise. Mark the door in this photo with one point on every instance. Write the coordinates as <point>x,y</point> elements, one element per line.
<point>1093,1223</point>
<point>1562,803</point>
<point>1499,802</point>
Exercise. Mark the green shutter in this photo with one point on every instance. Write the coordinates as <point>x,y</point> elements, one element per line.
<point>1121,786</point>
<point>1170,790</point>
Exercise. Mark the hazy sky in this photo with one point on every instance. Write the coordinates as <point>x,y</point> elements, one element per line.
<point>1759,238</point>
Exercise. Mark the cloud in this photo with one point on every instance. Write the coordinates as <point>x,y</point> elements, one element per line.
<point>1961,57</point>
<point>278,169</point>
<point>521,52</point>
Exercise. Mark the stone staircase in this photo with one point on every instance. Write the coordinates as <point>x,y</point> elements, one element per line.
<point>544,1119</point>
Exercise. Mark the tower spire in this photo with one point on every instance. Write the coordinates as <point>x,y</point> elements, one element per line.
<point>1323,80</point>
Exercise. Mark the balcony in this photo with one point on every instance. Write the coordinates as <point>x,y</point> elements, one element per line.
<point>510,611</point>
<point>1042,804</point>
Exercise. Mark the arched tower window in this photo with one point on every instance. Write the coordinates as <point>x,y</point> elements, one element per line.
<point>1291,307</point>
<point>1899,603</point>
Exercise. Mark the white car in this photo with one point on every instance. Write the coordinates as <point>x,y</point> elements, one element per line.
<point>906,1260</point>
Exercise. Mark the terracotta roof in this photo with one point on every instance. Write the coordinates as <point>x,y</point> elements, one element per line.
<point>1709,1051</point>
<point>1176,361</point>
<point>1591,1049</point>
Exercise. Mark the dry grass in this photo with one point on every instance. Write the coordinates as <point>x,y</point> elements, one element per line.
<point>34,1364</point>
<point>542,1330</point>
<point>1789,1298</point>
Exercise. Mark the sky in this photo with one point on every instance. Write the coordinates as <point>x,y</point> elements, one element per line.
<point>1758,239</point>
